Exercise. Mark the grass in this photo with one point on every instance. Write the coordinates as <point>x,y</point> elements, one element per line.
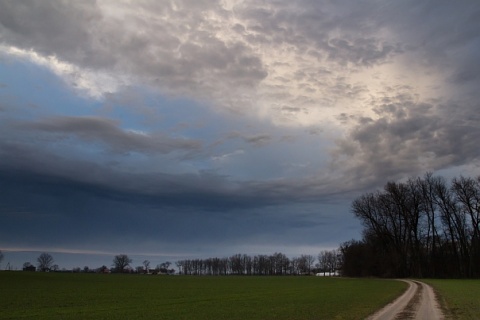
<point>93,296</point>
<point>460,298</point>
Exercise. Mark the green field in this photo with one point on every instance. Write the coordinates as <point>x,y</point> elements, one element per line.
<point>461,298</point>
<point>94,296</point>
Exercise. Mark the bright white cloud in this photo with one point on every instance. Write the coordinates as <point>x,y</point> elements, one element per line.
<point>93,84</point>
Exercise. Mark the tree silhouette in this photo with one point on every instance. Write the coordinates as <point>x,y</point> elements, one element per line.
<point>146,265</point>
<point>120,262</point>
<point>412,228</point>
<point>44,262</point>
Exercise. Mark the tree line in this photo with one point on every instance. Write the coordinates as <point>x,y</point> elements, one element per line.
<point>275,264</point>
<point>327,261</point>
<point>120,264</point>
<point>424,227</point>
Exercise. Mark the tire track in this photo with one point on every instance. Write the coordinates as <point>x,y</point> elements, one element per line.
<point>417,302</point>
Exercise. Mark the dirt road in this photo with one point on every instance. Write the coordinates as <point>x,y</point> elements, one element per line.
<point>417,303</point>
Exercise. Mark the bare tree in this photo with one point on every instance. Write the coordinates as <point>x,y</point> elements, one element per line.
<point>322,261</point>
<point>146,265</point>
<point>426,187</point>
<point>163,267</point>
<point>44,262</point>
<point>120,262</point>
<point>327,261</point>
<point>467,193</point>
<point>411,228</point>
<point>1,256</point>
<point>454,224</point>
<point>180,265</point>
<point>305,263</point>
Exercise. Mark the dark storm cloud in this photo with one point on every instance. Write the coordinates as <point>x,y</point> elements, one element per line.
<point>177,49</point>
<point>426,33</point>
<point>202,191</point>
<point>108,132</point>
<point>114,178</point>
<point>341,34</point>
<point>208,51</point>
<point>59,213</point>
<point>410,133</point>
<point>53,28</point>
<point>410,138</point>
<point>185,46</point>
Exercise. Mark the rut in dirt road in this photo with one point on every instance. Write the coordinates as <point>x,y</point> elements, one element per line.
<point>417,302</point>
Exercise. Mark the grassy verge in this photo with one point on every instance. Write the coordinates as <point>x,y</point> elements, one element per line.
<point>461,298</point>
<point>91,296</point>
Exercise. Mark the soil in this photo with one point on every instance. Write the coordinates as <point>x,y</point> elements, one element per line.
<point>418,302</point>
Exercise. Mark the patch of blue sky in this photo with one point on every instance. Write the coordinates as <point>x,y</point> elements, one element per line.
<point>276,159</point>
<point>35,92</point>
<point>144,110</point>
<point>148,111</point>
<point>190,117</point>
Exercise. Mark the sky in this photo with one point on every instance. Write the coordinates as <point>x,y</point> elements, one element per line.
<point>168,130</point>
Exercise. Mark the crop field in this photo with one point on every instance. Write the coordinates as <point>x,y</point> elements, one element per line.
<point>95,296</point>
<point>460,297</point>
